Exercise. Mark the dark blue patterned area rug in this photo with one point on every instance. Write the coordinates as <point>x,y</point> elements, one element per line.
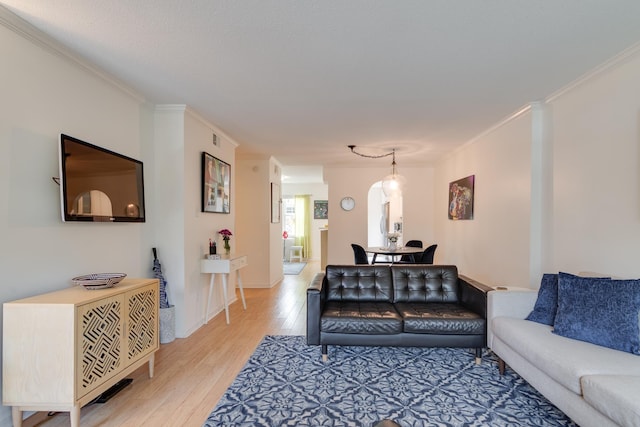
<point>285,383</point>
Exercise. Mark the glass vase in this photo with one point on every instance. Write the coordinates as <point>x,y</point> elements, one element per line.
<point>227,248</point>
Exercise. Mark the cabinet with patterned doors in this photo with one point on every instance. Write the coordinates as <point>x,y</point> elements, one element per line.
<point>63,349</point>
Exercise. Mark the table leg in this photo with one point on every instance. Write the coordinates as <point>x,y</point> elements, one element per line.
<point>224,292</point>
<point>206,313</point>
<point>244,304</point>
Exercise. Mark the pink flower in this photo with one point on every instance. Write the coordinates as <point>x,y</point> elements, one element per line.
<point>226,234</point>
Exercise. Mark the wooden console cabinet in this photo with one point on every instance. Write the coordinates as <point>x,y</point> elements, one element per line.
<point>63,349</point>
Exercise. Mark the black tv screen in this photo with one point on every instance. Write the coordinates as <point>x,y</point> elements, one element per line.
<point>97,184</point>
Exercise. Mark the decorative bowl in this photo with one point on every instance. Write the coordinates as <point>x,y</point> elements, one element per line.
<point>98,280</point>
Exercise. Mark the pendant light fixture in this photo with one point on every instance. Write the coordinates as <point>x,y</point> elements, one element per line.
<point>393,184</point>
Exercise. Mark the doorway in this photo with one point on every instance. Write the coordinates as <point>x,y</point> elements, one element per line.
<point>384,216</point>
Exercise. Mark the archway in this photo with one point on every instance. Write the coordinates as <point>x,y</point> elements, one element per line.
<point>384,215</point>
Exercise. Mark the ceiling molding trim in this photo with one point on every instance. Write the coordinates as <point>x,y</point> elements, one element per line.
<point>24,29</point>
<point>616,61</point>
<point>523,110</point>
<point>210,125</point>
<point>185,109</point>
<point>181,108</point>
<point>506,120</point>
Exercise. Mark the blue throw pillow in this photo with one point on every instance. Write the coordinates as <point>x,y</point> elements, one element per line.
<point>547,303</point>
<point>599,311</point>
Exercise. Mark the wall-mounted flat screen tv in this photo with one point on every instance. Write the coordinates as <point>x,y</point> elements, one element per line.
<point>99,185</point>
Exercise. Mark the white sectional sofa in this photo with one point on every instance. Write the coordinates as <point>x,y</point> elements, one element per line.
<point>593,385</point>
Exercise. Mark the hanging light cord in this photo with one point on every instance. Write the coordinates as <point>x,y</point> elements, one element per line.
<point>352,148</point>
<point>391,184</point>
<point>392,153</point>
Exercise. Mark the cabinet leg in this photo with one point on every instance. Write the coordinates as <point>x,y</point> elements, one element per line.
<point>74,414</point>
<point>16,416</point>
<point>151,364</point>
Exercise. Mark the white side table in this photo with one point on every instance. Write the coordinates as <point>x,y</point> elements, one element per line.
<point>224,266</point>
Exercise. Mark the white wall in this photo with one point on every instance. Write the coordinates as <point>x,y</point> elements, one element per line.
<point>44,94</point>
<point>54,96</point>
<point>350,227</point>
<point>200,226</point>
<point>596,135</point>
<point>494,246</point>
<point>260,240</point>
<point>589,213</point>
<point>47,91</point>
<point>183,230</point>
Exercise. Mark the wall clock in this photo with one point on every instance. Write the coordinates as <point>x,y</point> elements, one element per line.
<point>347,203</point>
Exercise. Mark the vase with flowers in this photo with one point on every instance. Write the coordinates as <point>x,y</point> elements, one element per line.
<point>393,240</point>
<point>226,235</point>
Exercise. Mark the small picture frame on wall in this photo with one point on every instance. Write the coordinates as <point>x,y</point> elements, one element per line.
<point>461,198</point>
<point>275,202</point>
<point>216,185</point>
<point>320,209</point>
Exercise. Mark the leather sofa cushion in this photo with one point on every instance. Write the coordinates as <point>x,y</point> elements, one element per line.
<point>440,318</point>
<point>371,318</point>
<point>428,283</point>
<point>359,283</point>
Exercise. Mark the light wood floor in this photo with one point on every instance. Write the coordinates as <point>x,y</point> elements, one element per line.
<point>191,374</point>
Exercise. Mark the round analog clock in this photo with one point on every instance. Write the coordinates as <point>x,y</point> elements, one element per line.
<point>347,203</point>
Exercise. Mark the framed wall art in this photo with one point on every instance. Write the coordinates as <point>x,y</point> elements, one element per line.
<point>216,185</point>
<point>461,198</point>
<point>275,202</point>
<point>320,209</point>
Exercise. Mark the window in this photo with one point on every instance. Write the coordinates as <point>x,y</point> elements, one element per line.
<point>289,208</point>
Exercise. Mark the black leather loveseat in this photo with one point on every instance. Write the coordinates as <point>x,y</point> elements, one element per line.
<point>396,305</point>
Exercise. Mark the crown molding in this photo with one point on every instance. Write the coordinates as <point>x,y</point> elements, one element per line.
<point>213,127</point>
<point>185,109</point>
<point>616,61</point>
<point>30,33</point>
<point>181,108</point>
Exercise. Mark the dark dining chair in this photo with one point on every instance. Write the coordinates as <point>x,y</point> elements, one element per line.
<point>411,258</point>
<point>427,255</point>
<point>359,254</point>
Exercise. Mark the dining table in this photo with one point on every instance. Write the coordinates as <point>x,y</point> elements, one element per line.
<point>392,253</point>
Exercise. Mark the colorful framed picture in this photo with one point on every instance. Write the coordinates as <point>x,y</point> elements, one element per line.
<point>216,185</point>
<point>320,209</point>
<point>461,198</point>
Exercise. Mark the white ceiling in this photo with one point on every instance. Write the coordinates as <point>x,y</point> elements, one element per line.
<point>302,79</point>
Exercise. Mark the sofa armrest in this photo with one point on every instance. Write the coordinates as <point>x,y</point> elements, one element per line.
<point>473,295</point>
<point>509,303</point>
<point>315,304</point>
